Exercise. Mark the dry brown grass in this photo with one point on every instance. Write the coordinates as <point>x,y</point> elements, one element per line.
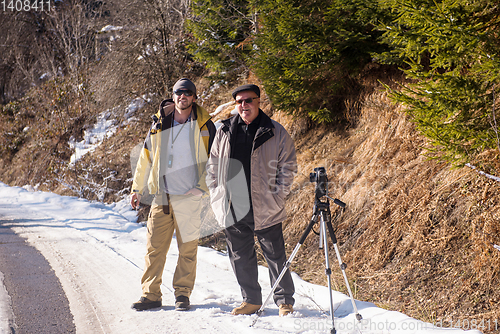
<point>417,235</point>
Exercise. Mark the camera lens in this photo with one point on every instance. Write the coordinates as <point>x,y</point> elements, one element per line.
<point>312,177</point>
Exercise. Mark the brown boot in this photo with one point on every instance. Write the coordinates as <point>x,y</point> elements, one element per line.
<point>182,303</point>
<point>285,309</point>
<point>146,304</point>
<point>245,308</point>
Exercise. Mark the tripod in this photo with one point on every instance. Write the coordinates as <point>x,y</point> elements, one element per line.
<point>321,212</point>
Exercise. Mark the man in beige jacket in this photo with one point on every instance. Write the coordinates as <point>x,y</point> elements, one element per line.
<point>250,170</point>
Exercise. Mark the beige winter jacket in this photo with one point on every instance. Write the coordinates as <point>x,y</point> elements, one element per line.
<point>273,165</point>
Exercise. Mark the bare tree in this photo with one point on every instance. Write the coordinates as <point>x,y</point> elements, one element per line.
<point>17,61</point>
<point>146,51</point>
<point>50,43</point>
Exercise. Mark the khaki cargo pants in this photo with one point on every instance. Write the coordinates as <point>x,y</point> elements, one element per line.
<point>184,218</point>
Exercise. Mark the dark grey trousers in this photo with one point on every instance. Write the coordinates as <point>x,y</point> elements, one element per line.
<point>241,248</point>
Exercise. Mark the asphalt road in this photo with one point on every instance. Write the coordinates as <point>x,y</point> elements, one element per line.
<point>38,300</point>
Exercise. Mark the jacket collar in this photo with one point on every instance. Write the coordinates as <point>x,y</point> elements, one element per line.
<point>264,132</point>
<point>231,123</point>
<point>198,113</point>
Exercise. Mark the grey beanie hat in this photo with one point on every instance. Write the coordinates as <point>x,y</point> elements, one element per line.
<point>244,88</point>
<point>185,83</point>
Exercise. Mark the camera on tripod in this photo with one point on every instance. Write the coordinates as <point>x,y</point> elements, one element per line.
<point>322,215</point>
<point>321,180</point>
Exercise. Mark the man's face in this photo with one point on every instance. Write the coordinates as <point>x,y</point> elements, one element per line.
<point>182,100</point>
<point>247,105</point>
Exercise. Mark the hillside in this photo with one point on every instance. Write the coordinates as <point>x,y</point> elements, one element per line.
<point>417,235</point>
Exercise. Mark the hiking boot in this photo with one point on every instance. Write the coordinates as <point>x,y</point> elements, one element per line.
<point>245,308</point>
<point>146,304</point>
<point>285,309</point>
<point>182,303</point>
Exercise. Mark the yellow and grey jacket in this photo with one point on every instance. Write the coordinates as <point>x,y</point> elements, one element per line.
<point>152,160</point>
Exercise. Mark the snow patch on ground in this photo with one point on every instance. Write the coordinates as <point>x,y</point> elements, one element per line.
<point>104,128</point>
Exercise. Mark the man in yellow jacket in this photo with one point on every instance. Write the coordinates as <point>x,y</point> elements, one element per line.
<point>171,167</point>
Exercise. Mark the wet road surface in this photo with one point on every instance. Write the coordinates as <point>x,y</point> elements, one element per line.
<point>38,300</point>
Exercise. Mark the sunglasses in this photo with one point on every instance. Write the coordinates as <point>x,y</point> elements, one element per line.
<point>247,101</point>
<point>179,92</point>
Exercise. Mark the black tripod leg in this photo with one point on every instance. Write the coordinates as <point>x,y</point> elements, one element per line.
<point>287,265</point>
<point>308,229</point>
<point>343,267</point>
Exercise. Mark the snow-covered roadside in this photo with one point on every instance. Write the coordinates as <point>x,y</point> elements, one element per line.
<point>97,252</point>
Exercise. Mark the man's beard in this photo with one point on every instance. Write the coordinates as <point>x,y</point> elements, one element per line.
<point>180,105</point>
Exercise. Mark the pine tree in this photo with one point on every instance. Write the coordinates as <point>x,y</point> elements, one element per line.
<point>223,31</point>
<point>309,52</point>
<point>452,52</point>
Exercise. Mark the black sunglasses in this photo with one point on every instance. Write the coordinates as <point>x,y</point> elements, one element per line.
<point>247,101</point>
<point>179,92</point>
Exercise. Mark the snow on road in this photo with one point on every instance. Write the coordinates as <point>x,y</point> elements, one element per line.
<point>97,252</point>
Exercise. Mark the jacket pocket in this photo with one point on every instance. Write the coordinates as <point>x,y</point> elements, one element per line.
<point>280,202</point>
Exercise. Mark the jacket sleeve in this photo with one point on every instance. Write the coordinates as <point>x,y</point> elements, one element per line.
<point>202,184</point>
<point>287,164</point>
<point>211,130</point>
<point>142,169</point>
<point>212,163</point>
